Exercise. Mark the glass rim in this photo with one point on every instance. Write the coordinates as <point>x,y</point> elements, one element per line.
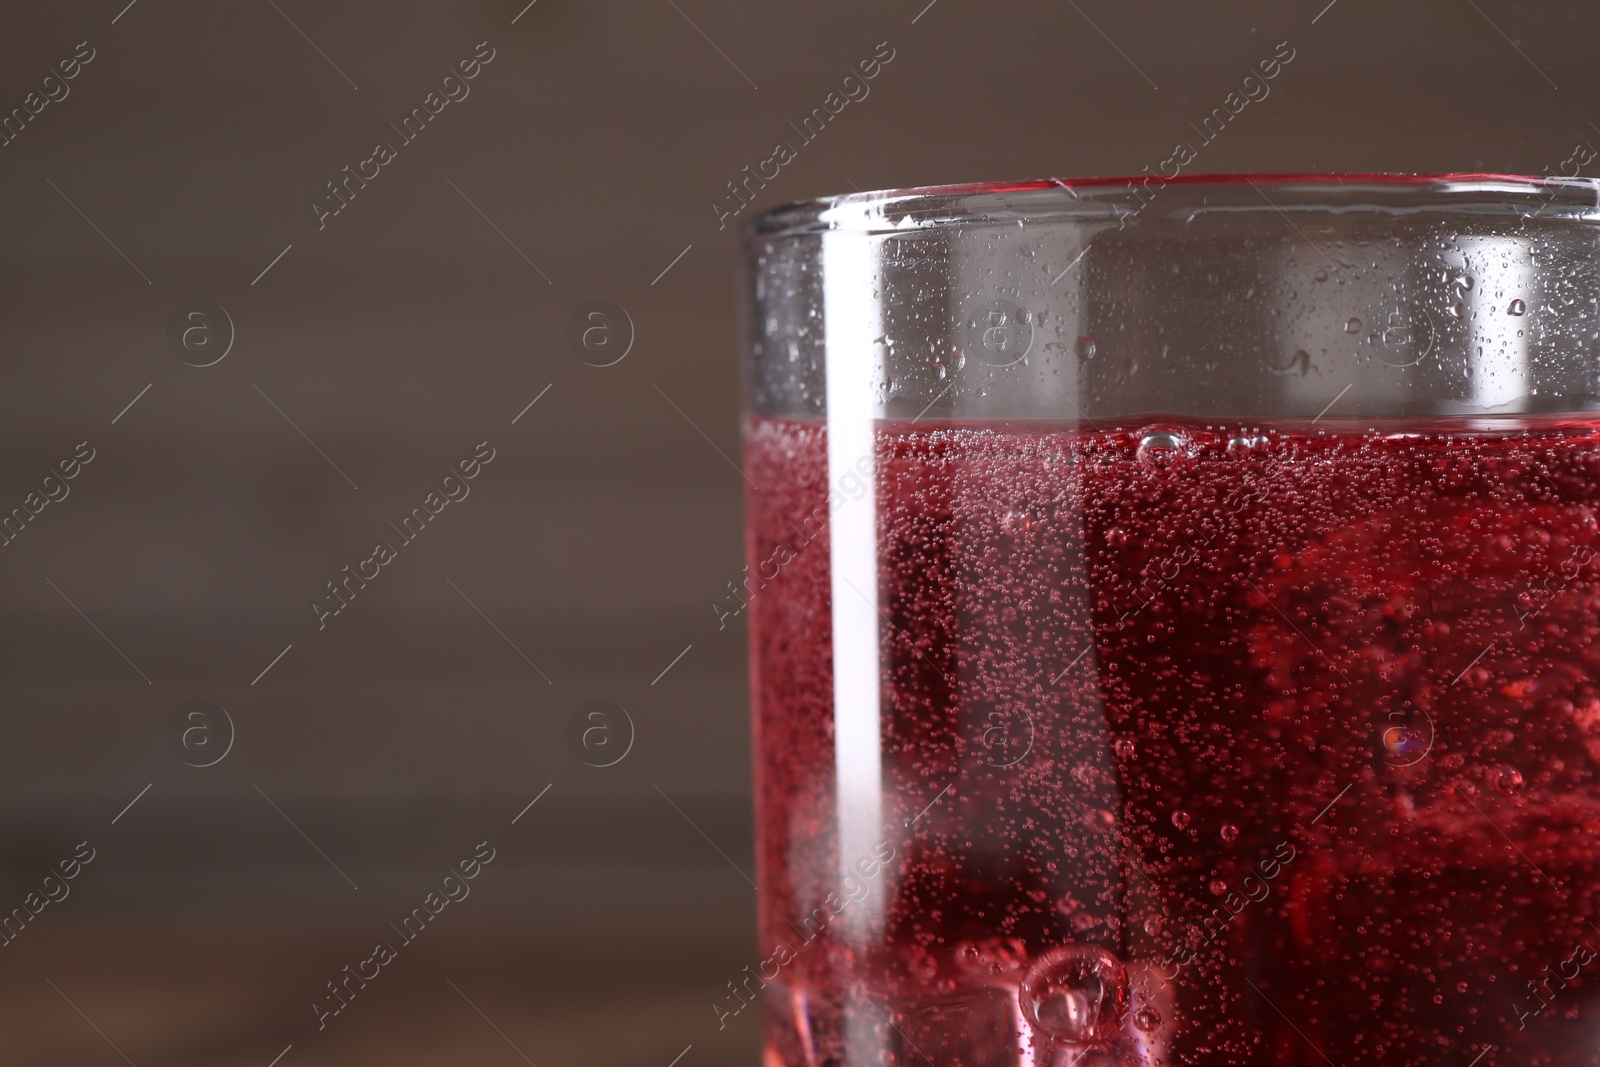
<point>1091,199</point>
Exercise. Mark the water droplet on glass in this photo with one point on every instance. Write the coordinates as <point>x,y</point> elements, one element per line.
<point>1085,348</point>
<point>1230,833</point>
<point>1180,819</point>
<point>1161,448</point>
<point>1517,307</point>
<point>1297,362</point>
<point>1147,1019</point>
<point>1077,993</point>
<point>1352,325</point>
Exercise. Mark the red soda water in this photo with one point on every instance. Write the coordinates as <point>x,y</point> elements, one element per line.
<point>1200,744</point>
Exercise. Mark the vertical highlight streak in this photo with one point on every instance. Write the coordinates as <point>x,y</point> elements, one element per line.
<point>851,322</point>
<point>1503,309</point>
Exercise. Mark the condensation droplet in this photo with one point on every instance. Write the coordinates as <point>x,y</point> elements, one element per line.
<point>1352,325</point>
<point>1298,362</point>
<point>1085,348</point>
<point>1517,308</point>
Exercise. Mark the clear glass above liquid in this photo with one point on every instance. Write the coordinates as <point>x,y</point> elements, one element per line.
<point>1175,623</point>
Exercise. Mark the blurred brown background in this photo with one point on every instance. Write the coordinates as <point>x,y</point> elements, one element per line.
<point>371,755</point>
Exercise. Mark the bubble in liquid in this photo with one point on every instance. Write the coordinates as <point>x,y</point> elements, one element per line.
<point>1123,747</point>
<point>1076,993</point>
<point>1507,781</point>
<point>1217,887</point>
<point>1161,447</point>
<point>1230,833</point>
<point>1147,1019</point>
<point>1152,925</point>
<point>1243,445</point>
<point>1116,537</point>
<point>1517,308</point>
<point>1180,819</point>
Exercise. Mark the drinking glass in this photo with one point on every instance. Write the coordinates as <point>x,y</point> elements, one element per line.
<point>1174,614</point>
